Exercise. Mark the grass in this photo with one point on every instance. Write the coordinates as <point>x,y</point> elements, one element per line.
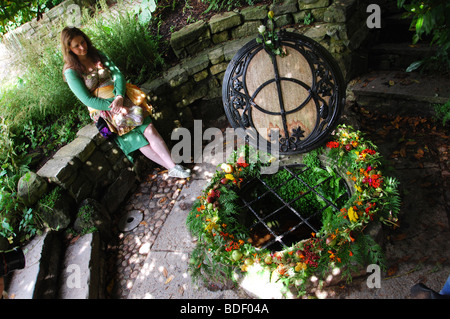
<point>39,113</point>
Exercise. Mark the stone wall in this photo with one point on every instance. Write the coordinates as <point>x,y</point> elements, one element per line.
<point>91,167</point>
<point>89,173</point>
<point>205,48</point>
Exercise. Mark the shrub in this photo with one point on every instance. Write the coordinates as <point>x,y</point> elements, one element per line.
<point>126,40</point>
<point>430,18</point>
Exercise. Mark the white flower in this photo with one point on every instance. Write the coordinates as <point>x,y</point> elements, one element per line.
<point>268,42</point>
<point>261,29</point>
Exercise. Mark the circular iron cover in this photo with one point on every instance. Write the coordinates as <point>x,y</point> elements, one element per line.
<point>288,103</point>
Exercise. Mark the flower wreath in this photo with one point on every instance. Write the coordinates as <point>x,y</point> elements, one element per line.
<point>222,250</point>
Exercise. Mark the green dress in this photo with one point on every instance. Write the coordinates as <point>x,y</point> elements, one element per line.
<point>83,86</point>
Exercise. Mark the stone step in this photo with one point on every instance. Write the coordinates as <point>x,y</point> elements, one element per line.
<point>56,271</point>
<point>82,274</point>
<point>39,278</point>
<point>398,56</point>
<point>400,92</point>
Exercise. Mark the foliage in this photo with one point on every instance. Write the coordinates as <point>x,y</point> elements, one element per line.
<point>16,13</point>
<point>126,39</point>
<point>268,37</point>
<point>223,251</point>
<point>430,18</point>
<point>443,112</point>
<point>226,4</point>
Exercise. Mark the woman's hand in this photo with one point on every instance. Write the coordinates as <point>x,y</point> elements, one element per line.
<point>117,106</point>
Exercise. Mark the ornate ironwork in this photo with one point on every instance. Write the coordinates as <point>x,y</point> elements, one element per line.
<point>326,91</point>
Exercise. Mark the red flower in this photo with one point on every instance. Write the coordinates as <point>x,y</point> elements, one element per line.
<point>368,151</point>
<point>241,162</point>
<point>332,144</point>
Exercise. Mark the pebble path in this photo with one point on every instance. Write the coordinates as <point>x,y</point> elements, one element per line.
<point>154,198</point>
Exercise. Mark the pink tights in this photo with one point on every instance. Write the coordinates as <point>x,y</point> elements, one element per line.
<point>157,150</point>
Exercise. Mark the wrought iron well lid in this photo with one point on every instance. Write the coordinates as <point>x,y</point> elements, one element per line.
<point>300,95</point>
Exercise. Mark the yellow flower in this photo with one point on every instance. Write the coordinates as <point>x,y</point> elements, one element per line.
<point>229,176</point>
<point>359,189</point>
<point>352,215</point>
<point>271,14</point>
<point>300,266</point>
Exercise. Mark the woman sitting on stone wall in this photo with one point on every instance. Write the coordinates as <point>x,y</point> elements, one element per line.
<point>118,108</point>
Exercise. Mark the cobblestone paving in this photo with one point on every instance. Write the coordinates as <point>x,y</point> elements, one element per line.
<point>154,198</point>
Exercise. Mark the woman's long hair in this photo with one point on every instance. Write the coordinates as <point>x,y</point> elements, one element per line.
<point>70,59</point>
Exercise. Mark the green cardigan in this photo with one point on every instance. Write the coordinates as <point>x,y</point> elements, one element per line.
<point>129,142</point>
<point>76,84</point>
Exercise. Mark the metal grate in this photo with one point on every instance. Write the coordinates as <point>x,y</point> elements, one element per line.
<point>297,224</point>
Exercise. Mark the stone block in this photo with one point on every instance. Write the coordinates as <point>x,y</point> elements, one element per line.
<point>96,168</point>
<point>287,6</point>
<point>118,190</point>
<point>316,32</point>
<point>158,86</point>
<point>232,47</point>
<point>201,90</point>
<point>224,21</point>
<point>188,34</point>
<point>176,76</point>
<point>30,188</point>
<point>282,20</point>
<point>220,37</point>
<point>247,29</point>
<point>340,11</point>
<point>198,46</point>
<point>312,4</point>
<point>80,148</point>
<point>84,256</point>
<point>90,131</point>
<point>201,75</point>
<point>218,68</point>
<point>254,13</point>
<point>196,64</point>
<point>216,55</point>
<point>62,171</point>
<point>81,188</point>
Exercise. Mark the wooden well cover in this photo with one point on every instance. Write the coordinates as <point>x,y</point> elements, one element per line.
<point>295,100</point>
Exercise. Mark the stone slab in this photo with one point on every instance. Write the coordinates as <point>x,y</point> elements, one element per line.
<point>23,281</point>
<point>76,274</point>
<point>164,274</point>
<point>406,86</point>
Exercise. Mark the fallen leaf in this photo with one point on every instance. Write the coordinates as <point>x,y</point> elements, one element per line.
<point>392,270</point>
<point>143,223</point>
<point>403,152</point>
<point>399,237</point>
<point>165,272</point>
<point>169,279</point>
<point>73,240</point>
<point>419,154</point>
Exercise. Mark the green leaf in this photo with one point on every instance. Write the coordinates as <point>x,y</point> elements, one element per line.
<point>414,66</point>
